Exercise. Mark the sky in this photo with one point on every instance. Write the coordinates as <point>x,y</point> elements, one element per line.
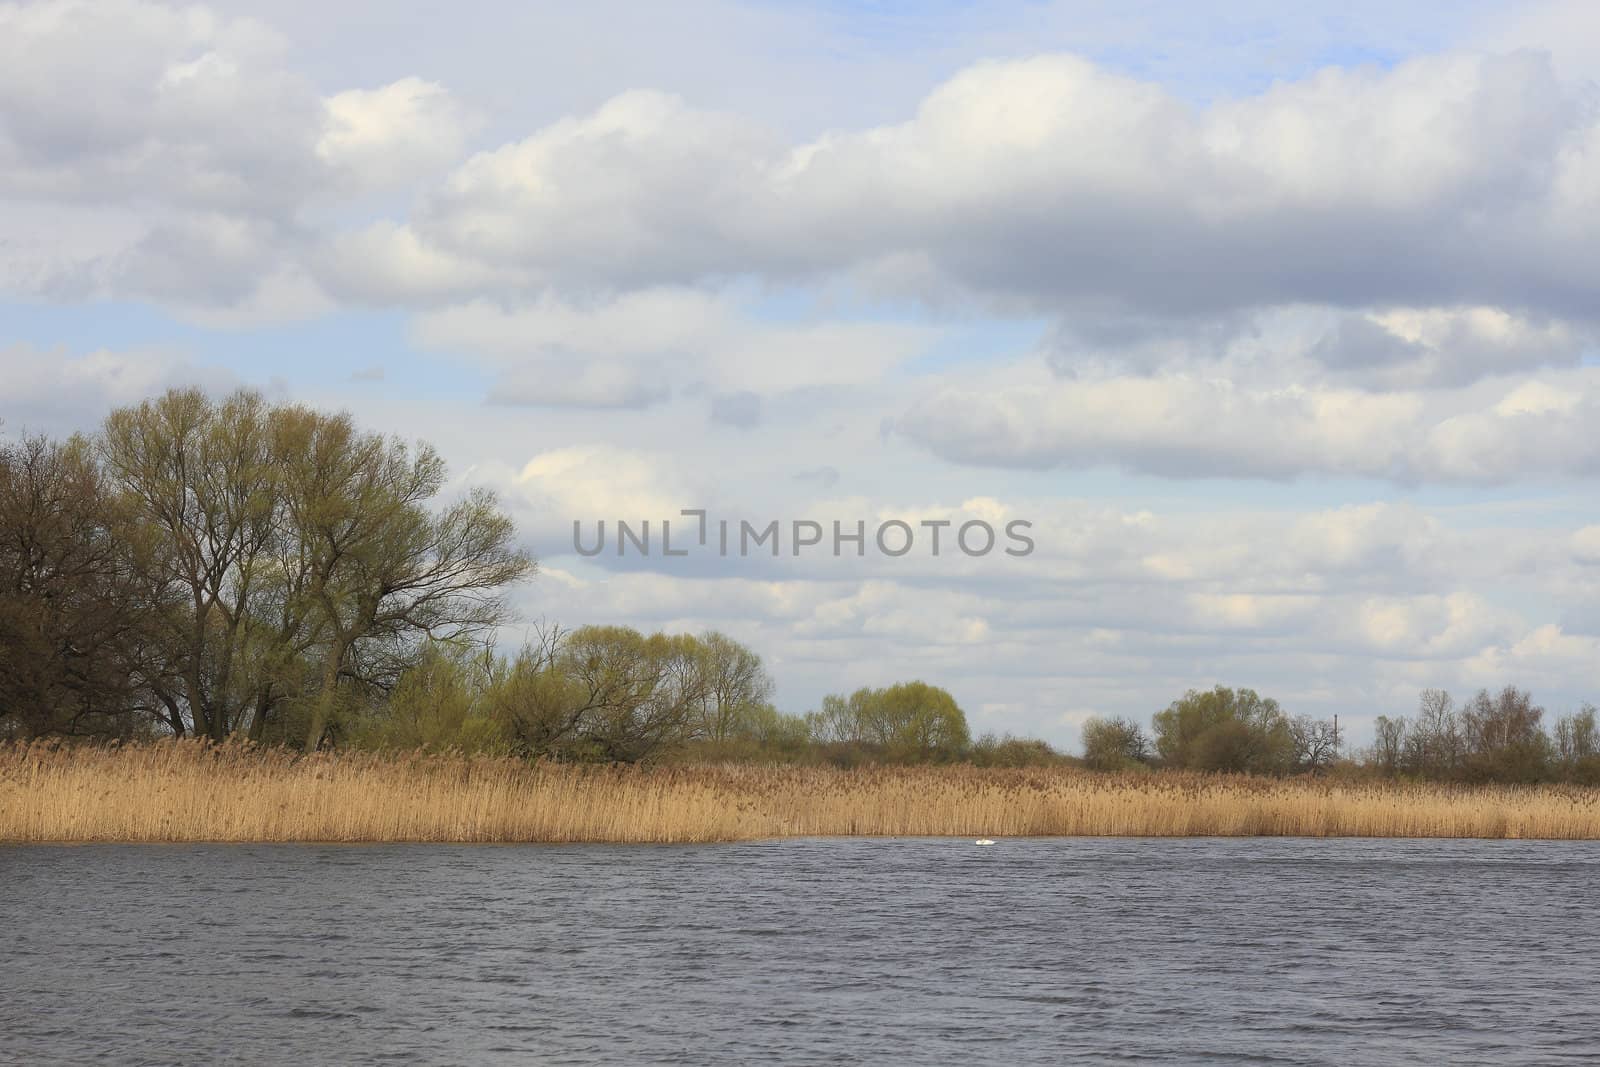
<point>1277,324</point>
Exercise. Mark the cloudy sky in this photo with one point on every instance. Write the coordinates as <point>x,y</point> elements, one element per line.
<point>1281,328</point>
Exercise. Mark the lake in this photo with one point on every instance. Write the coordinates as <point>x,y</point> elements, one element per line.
<point>805,951</point>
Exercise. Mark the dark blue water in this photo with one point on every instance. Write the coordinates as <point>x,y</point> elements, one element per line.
<point>829,951</point>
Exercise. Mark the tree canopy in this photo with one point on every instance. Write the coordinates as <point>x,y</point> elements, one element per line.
<point>232,567</point>
<point>1224,729</point>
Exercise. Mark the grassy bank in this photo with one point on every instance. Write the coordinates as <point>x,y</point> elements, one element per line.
<point>188,792</point>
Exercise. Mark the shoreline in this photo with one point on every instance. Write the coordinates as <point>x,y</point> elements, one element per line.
<point>542,843</point>
<point>188,792</point>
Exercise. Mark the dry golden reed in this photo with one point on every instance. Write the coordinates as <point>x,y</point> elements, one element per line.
<point>188,791</point>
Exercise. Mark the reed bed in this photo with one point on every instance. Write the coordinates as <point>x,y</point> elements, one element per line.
<point>188,791</point>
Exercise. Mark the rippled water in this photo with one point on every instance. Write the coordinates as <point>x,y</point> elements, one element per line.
<point>902,951</point>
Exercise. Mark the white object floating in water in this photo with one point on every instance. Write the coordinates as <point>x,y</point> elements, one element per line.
<point>983,841</point>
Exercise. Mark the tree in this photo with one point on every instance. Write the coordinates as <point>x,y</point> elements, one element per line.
<point>736,684</point>
<point>1504,736</point>
<point>72,627</point>
<point>286,554</point>
<point>384,572</point>
<point>840,719</point>
<point>910,721</point>
<point>1506,719</point>
<point>439,703</point>
<point>1316,743</point>
<point>1434,746</point>
<point>1225,730</point>
<point>605,693</point>
<point>1388,743</point>
<point>1578,745</point>
<point>197,485</point>
<point>1576,738</point>
<point>1114,744</point>
<point>915,720</point>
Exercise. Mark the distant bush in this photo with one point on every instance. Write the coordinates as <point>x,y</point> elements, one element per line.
<point>1008,751</point>
<point>912,722</point>
<point>1114,744</point>
<point>439,705</point>
<point>1223,729</point>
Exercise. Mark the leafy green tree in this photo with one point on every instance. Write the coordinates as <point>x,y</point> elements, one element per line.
<point>911,721</point>
<point>291,560</point>
<point>918,721</point>
<point>1114,744</point>
<point>1223,729</point>
<point>736,685</point>
<point>604,693</point>
<point>385,571</point>
<point>198,485</point>
<point>441,702</point>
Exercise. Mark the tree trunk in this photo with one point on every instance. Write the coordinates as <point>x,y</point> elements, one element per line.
<point>174,715</point>
<point>322,711</point>
<point>258,722</point>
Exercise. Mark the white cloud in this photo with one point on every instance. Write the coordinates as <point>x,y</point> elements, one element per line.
<point>592,483</point>
<point>636,348</point>
<point>1049,183</point>
<point>57,391</point>
<point>1586,544</point>
<point>1380,272</point>
<point>189,155</point>
<point>385,262</point>
<point>1541,657</point>
<point>1569,30</point>
<point>1178,425</point>
<point>173,106</point>
<point>1445,346</point>
<point>643,187</point>
<point>404,129</point>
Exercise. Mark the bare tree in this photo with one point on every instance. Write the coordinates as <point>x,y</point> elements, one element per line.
<point>71,622</point>
<point>1316,743</point>
<point>1114,744</point>
<point>1576,738</point>
<point>1434,744</point>
<point>1388,742</point>
<point>1504,736</point>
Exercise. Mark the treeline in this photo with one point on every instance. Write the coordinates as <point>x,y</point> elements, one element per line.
<point>1234,731</point>
<point>238,569</point>
<point>234,568</point>
<point>613,694</point>
<point>1494,737</point>
<point>241,569</point>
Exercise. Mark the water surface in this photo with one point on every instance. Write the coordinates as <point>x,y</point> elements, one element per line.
<point>808,951</point>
